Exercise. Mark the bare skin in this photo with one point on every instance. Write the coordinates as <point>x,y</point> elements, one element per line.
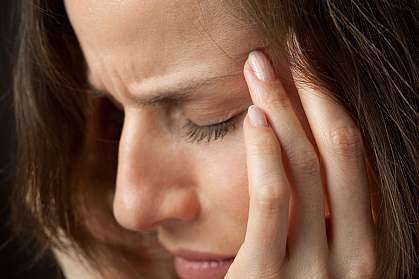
<point>247,185</point>
<point>296,245</point>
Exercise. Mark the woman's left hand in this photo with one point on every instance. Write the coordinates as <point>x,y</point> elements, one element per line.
<point>287,233</point>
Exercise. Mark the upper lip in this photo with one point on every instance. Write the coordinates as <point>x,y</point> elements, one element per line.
<point>199,256</point>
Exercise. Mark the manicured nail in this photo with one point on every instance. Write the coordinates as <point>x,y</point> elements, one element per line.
<point>257,116</point>
<point>261,66</point>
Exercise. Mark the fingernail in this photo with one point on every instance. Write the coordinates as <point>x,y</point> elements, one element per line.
<point>261,66</point>
<point>257,116</point>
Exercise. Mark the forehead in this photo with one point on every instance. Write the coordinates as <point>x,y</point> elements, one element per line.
<point>142,40</point>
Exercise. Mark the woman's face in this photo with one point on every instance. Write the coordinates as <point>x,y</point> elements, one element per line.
<point>174,66</point>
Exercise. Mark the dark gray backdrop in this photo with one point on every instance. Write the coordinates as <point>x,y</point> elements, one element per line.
<point>15,263</point>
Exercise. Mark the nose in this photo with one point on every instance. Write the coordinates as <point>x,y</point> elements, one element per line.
<point>154,184</point>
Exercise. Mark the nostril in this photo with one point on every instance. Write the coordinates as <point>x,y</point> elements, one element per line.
<point>180,204</point>
<point>141,211</point>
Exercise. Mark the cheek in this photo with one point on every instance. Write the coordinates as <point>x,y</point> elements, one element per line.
<point>223,185</point>
<point>231,173</point>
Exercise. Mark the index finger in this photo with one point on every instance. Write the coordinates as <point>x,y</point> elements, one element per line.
<point>269,193</point>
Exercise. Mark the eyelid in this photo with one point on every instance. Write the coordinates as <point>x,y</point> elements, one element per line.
<point>212,132</point>
<point>220,122</point>
<point>98,94</point>
<point>214,113</point>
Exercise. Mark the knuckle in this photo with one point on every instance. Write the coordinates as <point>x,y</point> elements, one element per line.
<point>346,141</point>
<point>306,161</point>
<point>310,265</point>
<point>271,197</point>
<point>362,265</point>
<point>270,273</point>
<point>314,273</point>
<point>276,100</point>
<point>264,146</point>
<point>361,269</point>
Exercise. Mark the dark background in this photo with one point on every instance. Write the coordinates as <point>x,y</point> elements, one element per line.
<point>15,262</point>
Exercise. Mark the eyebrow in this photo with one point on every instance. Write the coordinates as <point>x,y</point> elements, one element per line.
<point>181,92</point>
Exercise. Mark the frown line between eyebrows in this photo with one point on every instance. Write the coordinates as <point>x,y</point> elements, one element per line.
<point>180,92</point>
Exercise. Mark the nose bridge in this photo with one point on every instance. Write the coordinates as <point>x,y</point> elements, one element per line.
<point>152,185</point>
<point>144,153</point>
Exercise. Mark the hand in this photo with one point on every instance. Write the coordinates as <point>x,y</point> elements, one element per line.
<point>287,233</point>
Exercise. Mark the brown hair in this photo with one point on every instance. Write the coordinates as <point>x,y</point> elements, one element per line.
<point>362,53</point>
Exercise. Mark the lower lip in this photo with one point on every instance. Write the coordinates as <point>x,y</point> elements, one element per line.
<point>187,269</point>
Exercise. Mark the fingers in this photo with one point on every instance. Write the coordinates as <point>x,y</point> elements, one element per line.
<point>341,148</point>
<point>307,236</point>
<point>268,189</point>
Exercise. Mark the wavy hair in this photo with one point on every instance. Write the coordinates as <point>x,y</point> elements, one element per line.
<point>364,54</point>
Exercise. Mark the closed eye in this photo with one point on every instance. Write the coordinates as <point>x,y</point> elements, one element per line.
<point>196,134</point>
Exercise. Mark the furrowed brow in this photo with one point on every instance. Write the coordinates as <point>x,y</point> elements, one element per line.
<point>178,93</point>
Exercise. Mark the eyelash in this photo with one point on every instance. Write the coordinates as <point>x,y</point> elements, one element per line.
<point>196,134</point>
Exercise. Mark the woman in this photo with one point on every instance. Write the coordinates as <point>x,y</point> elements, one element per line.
<point>139,156</point>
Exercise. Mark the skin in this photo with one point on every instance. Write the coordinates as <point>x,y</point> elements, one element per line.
<point>194,189</point>
<point>182,190</point>
<point>306,246</point>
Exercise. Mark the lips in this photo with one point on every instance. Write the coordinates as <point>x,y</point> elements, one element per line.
<point>199,265</point>
<point>199,256</point>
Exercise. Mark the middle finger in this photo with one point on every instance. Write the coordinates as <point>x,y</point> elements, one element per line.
<point>307,236</point>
